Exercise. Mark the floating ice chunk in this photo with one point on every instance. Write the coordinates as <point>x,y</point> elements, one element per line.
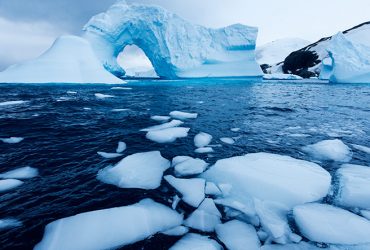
<point>192,190</point>
<point>167,135</point>
<point>196,242</point>
<point>212,189</point>
<point>176,231</point>
<point>332,225</point>
<point>190,167</point>
<point>109,155</point>
<point>102,96</point>
<point>121,88</point>
<point>121,147</point>
<point>9,103</point>
<point>183,115</point>
<point>86,108</point>
<point>353,186</point>
<point>202,139</point>
<point>20,173</point>
<point>366,214</point>
<point>301,246</point>
<point>171,124</point>
<point>244,205</point>
<point>278,178</point>
<point>120,110</point>
<point>141,170</point>
<point>9,223</point>
<point>175,201</point>
<point>235,129</point>
<point>160,118</point>
<point>281,76</point>
<point>12,140</point>
<point>334,150</point>
<point>178,159</point>
<point>205,218</point>
<point>71,92</point>
<point>361,148</point>
<point>227,140</point>
<point>204,150</point>
<point>9,184</point>
<point>237,235</point>
<point>109,228</point>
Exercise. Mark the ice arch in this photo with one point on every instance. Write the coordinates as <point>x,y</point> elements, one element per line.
<point>175,47</point>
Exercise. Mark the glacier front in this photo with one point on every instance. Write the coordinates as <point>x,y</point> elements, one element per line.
<point>175,47</point>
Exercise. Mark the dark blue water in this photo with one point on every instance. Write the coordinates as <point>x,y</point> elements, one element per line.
<point>62,138</point>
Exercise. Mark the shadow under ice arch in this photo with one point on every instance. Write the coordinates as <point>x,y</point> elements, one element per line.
<point>175,47</point>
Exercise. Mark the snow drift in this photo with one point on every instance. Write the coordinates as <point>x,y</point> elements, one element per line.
<point>175,47</point>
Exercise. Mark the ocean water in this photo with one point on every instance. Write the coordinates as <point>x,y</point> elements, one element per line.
<point>63,131</point>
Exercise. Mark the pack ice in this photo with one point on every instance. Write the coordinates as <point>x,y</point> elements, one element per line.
<point>109,228</point>
<point>175,47</point>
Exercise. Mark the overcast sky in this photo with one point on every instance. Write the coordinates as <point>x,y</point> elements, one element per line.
<point>28,27</point>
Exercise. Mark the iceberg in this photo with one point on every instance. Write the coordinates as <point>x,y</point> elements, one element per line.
<point>193,241</point>
<point>353,186</point>
<point>167,135</point>
<point>192,190</point>
<point>9,184</point>
<point>109,228</point>
<point>20,173</point>
<point>332,225</point>
<point>141,170</point>
<point>175,47</point>
<point>332,150</point>
<point>237,235</point>
<point>202,139</point>
<point>271,177</point>
<point>70,59</point>
<point>350,61</point>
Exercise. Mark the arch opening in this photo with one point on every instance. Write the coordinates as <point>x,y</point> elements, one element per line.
<point>136,63</point>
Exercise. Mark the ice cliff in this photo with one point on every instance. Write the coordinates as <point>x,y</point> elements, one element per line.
<point>175,47</point>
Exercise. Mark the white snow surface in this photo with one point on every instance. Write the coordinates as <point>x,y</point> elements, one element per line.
<point>69,60</point>
<point>353,186</point>
<point>271,177</point>
<point>190,166</point>
<point>334,150</point>
<point>202,139</point>
<point>141,170</point>
<point>175,47</point>
<point>237,235</point>
<point>205,218</point>
<point>350,60</point>
<point>332,225</point>
<point>109,155</point>
<point>193,241</point>
<point>192,190</point>
<point>12,140</point>
<point>20,173</point>
<point>276,51</point>
<point>109,228</point>
<point>9,184</point>
<point>167,135</point>
<point>183,115</point>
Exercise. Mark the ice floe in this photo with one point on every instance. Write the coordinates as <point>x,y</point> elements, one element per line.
<point>9,223</point>
<point>237,235</point>
<point>278,178</point>
<point>202,139</point>
<point>332,225</point>
<point>109,228</point>
<point>20,173</point>
<point>141,170</point>
<point>227,140</point>
<point>183,115</point>
<point>361,148</point>
<point>204,150</point>
<point>9,103</point>
<point>235,129</point>
<point>12,140</point>
<point>192,190</point>
<point>160,118</point>
<point>109,155</point>
<point>334,150</point>
<point>121,147</point>
<point>212,189</point>
<point>353,186</point>
<point>167,135</point>
<point>121,88</point>
<point>9,184</point>
<point>171,124</point>
<point>189,166</point>
<point>205,218</point>
<point>193,241</point>
<point>176,231</point>
<point>102,96</point>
